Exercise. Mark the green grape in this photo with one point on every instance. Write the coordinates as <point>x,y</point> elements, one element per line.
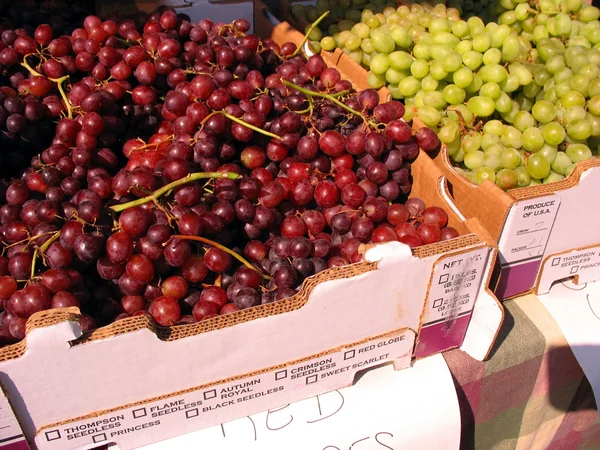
<point>475,85</point>
<point>522,12</point>
<point>367,47</point>
<point>434,99</point>
<point>589,13</point>
<point>553,178</point>
<point>563,75</point>
<point>580,83</point>
<point>459,156</point>
<point>521,72</point>
<point>463,77</point>
<point>590,71</point>
<point>511,137</point>
<point>523,178</point>
<point>400,60</point>
<point>573,113</point>
<point>396,95</point>
<point>507,18</point>
<point>503,103</point>
<point>543,111</point>
<point>554,134</point>
<point>366,59</point>
<point>361,30</point>
<point>523,120</point>
<point>446,39</point>
<point>430,116</point>
<point>394,76</point>
<point>401,37</point>
<point>409,86</point>
<point>419,68</point>
<point>471,142</point>
<point>538,166</point>
<point>570,170</point>
<point>595,122</point>
<point>489,140</point>
<point>491,90</point>
<point>382,43</point>
<point>453,147</point>
<point>472,59</point>
<point>356,55</point>
<point>422,51</point>
<point>372,21</point>
<point>511,48</point>
<point>579,129</point>
<point>379,64</point>
<point>476,26</point>
<point>315,34</point>
<point>460,28</point>
<point>578,152</point>
<point>533,139</point>
<point>328,43</point>
<point>452,62</point>
<point>459,113</point>
<point>440,52</point>
<point>562,89</point>
<point>436,69</point>
<point>594,87</point>
<point>498,36</point>
<point>474,160</point>
<point>560,163</point>
<point>496,149</point>
<point>449,132</point>
<point>418,98</point>
<point>453,94</point>
<point>484,173</point>
<point>531,90</point>
<point>429,83</point>
<point>464,47</point>
<point>493,72</point>
<point>376,81</point>
<point>481,43</point>
<point>510,158</point>
<point>341,38</point>
<point>549,152</point>
<point>481,106</point>
<point>572,98</point>
<point>493,127</point>
<point>506,179</point>
<point>353,42</point>
<point>492,56</point>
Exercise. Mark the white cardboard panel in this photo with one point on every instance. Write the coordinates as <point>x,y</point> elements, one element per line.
<point>383,410</point>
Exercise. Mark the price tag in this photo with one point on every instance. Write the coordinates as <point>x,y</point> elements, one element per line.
<point>527,229</point>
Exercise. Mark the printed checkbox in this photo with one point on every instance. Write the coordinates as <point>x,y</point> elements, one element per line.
<point>444,278</point>
<point>137,413</point>
<point>311,379</point>
<point>281,375</point>
<point>210,394</point>
<point>574,269</point>
<point>191,413</point>
<point>99,437</point>
<point>52,435</point>
<point>437,303</point>
<point>555,261</point>
<point>349,354</point>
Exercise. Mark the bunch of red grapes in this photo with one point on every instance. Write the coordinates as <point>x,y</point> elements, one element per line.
<point>194,170</point>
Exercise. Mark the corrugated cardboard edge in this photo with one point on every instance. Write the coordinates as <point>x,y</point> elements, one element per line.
<point>226,380</point>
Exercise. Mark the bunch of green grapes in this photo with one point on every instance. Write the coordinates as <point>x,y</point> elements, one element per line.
<point>533,75</point>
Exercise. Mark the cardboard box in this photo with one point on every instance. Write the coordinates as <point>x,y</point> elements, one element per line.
<point>533,253</point>
<point>133,383</point>
<point>544,233</point>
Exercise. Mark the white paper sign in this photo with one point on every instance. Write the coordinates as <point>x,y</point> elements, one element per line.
<point>384,410</point>
<point>527,229</point>
<point>576,309</point>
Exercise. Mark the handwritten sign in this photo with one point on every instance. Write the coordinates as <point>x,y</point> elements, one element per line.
<point>527,229</point>
<point>576,309</point>
<point>384,410</point>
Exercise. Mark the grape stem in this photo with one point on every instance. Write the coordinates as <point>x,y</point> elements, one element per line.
<point>163,190</point>
<point>252,127</point>
<point>42,250</point>
<point>325,96</point>
<point>240,258</point>
<point>58,81</point>
<point>312,27</point>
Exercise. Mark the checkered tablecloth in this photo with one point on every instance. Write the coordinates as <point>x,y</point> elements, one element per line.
<point>531,393</point>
